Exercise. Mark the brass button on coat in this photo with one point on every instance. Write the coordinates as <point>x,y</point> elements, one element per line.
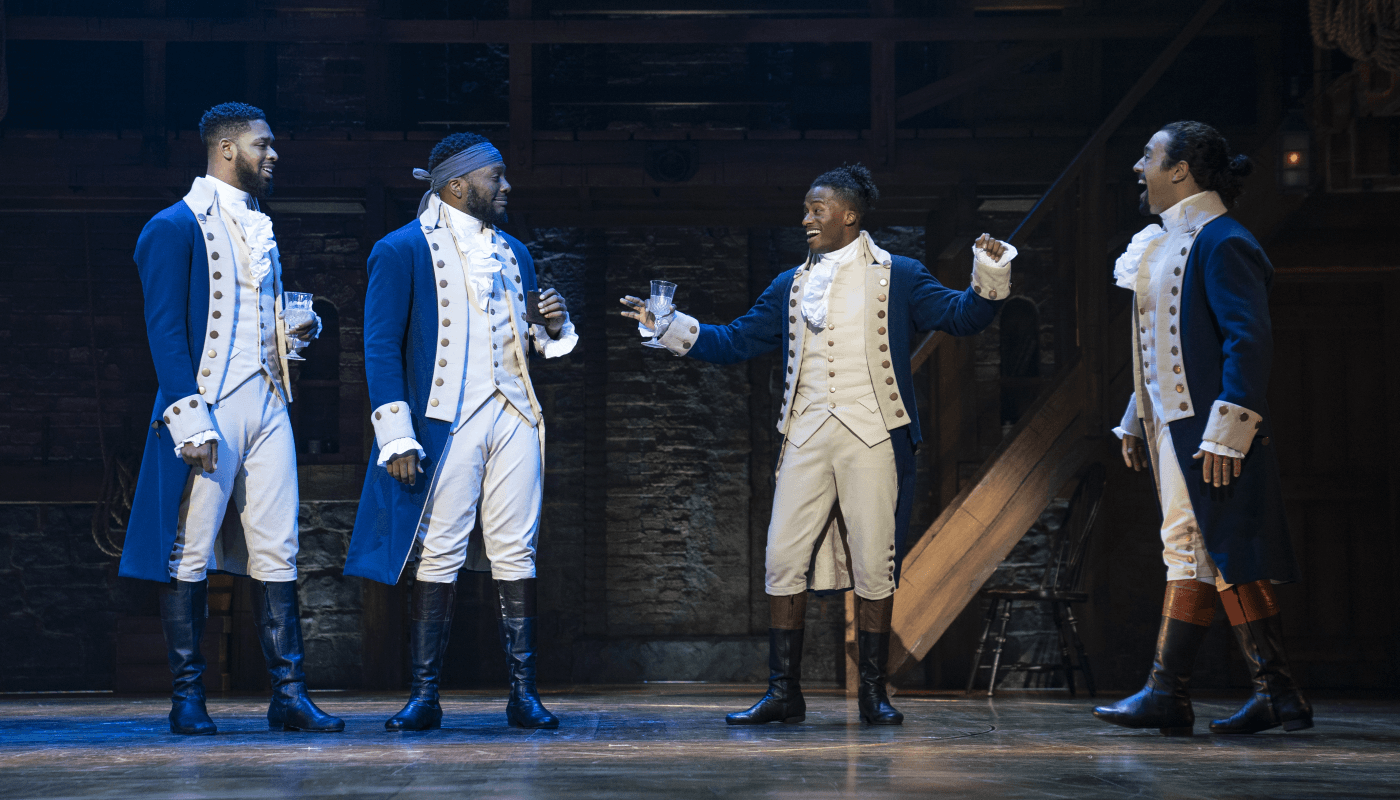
<point>218,295</point>
<point>884,347</point>
<point>792,303</point>
<point>218,275</point>
<point>1180,388</point>
<point>882,298</point>
<point>217,314</point>
<point>880,331</point>
<point>442,362</point>
<point>213,334</point>
<point>899,412</point>
<point>214,256</point>
<point>394,409</point>
<point>438,381</point>
<point>443,342</point>
<point>885,364</point>
<point>213,353</point>
<point>880,314</point>
<point>445,303</point>
<point>205,372</point>
<point>1184,406</point>
<point>194,404</point>
<point>209,236</point>
<point>889,381</point>
<point>894,397</point>
<point>435,245</point>
<point>1244,418</point>
<point>433,402</point>
<point>446,323</point>
<point>694,329</point>
<point>442,284</point>
<point>1183,251</point>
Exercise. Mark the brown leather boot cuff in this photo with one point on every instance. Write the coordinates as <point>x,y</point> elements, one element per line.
<point>1190,601</point>
<point>1250,602</point>
<point>788,612</point>
<point>873,616</point>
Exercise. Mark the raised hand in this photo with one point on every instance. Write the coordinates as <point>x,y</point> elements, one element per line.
<point>637,310</point>
<point>993,247</point>
<point>554,309</point>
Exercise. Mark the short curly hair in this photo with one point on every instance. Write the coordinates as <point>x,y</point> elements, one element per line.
<point>227,120</point>
<point>854,184</point>
<point>451,146</point>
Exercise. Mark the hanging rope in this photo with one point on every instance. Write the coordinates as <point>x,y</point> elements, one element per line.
<point>1366,30</point>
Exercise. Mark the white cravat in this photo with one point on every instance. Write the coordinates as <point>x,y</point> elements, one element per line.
<point>257,226</point>
<point>474,237</point>
<point>816,297</point>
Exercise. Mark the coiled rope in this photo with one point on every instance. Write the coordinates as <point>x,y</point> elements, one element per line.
<point>1366,30</point>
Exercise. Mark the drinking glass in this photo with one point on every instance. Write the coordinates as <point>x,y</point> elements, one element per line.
<point>296,310</point>
<point>659,304</point>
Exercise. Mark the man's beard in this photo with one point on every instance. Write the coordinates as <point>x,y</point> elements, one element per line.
<point>1144,205</point>
<point>251,179</point>
<point>483,209</point>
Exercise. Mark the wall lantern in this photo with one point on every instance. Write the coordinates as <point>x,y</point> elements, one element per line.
<point>1295,154</point>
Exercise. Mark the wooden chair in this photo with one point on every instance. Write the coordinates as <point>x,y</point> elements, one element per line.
<point>1058,590</point>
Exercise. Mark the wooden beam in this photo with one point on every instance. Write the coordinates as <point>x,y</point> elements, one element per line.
<point>958,84</point>
<point>1115,118</point>
<point>355,29</point>
<point>882,103</point>
<point>522,99</point>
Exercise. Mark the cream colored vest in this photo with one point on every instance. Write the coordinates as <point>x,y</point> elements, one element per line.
<point>834,379</point>
<point>493,363</point>
<point>255,329</point>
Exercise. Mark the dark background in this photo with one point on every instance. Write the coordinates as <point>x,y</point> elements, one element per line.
<point>684,160</point>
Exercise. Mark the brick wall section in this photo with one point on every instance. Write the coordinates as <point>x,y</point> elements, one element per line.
<point>678,446</point>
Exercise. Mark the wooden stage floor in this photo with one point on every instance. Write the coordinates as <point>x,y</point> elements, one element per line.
<point>664,741</point>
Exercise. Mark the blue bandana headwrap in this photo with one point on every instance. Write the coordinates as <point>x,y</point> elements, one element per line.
<point>483,154</point>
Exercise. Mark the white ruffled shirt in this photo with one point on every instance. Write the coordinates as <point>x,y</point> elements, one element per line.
<point>1125,275</point>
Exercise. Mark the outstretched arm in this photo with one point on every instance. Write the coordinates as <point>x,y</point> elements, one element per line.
<point>757,332</point>
<point>933,306</point>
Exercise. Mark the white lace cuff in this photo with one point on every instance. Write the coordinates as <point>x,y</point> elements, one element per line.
<point>1130,425</point>
<point>992,279</point>
<point>1220,449</point>
<point>197,440</point>
<point>553,348</point>
<point>399,447</point>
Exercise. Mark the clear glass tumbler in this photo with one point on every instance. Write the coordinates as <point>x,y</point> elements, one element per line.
<point>296,311</point>
<point>659,304</point>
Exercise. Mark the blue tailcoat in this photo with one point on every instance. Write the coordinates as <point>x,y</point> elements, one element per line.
<point>928,305</point>
<point>170,257</point>
<point>401,331</point>
<point>1227,350</point>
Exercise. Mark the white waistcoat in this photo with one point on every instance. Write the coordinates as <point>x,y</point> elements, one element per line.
<point>233,306</point>
<point>492,363</point>
<point>833,379</point>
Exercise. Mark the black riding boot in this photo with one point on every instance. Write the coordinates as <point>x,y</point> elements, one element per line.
<point>875,708</point>
<point>783,701</point>
<point>182,609</point>
<point>427,643</point>
<point>518,640</point>
<point>1276,699</point>
<point>1165,702</point>
<point>279,631</point>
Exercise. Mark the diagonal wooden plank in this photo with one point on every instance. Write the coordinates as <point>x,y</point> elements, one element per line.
<point>943,572</point>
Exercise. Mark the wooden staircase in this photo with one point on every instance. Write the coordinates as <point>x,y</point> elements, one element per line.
<point>976,530</point>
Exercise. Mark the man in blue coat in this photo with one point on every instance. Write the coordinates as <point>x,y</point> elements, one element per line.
<point>1202,349</point>
<point>212,285</point>
<point>447,338</point>
<point>846,471</point>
